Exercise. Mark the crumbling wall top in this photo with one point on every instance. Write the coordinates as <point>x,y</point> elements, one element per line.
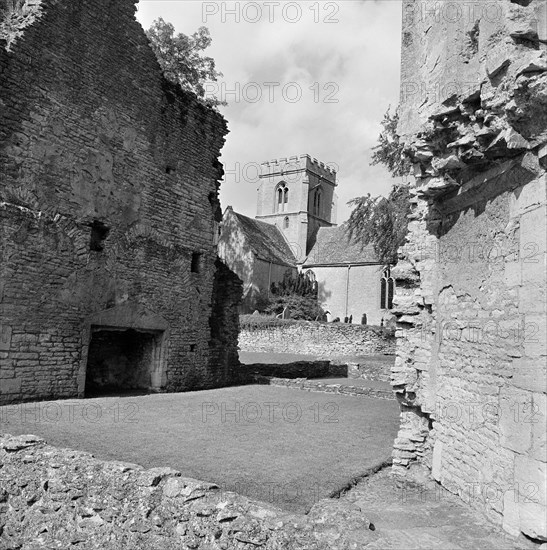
<point>473,81</point>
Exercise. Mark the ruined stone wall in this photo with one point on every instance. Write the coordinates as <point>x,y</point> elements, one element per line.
<point>321,339</point>
<point>224,323</point>
<point>471,347</point>
<point>108,204</point>
<point>60,498</point>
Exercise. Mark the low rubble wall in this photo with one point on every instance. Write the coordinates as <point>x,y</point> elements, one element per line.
<point>59,498</point>
<point>297,369</point>
<point>325,340</point>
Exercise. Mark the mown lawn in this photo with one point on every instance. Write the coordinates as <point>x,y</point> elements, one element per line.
<point>283,446</point>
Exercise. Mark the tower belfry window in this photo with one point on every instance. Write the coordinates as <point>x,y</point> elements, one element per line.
<point>317,202</point>
<point>282,197</point>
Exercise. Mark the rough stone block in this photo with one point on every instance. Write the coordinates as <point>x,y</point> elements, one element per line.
<point>12,385</point>
<point>540,20</point>
<point>513,273</point>
<point>533,61</point>
<point>532,296</point>
<point>533,244</point>
<point>530,374</point>
<point>535,337</point>
<point>531,477</point>
<point>5,337</point>
<point>497,59</point>
<point>515,406</point>
<point>511,517</point>
<point>538,420</point>
<point>531,195</point>
<point>436,470</point>
<point>521,22</point>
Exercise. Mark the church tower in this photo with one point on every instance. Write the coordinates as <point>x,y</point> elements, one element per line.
<point>297,195</point>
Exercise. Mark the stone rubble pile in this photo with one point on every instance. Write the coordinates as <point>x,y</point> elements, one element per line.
<point>58,498</point>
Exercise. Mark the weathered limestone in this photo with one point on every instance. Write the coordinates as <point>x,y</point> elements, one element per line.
<point>307,187</point>
<point>325,340</point>
<point>471,347</point>
<point>109,210</point>
<point>58,498</point>
<point>326,387</point>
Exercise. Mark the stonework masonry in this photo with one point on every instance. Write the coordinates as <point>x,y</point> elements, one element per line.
<point>324,340</point>
<point>258,253</point>
<point>108,208</point>
<point>470,372</point>
<point>59,498</point>
<point>311,203</point>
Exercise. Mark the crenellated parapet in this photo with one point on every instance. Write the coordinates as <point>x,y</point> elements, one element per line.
<point>299,163</point>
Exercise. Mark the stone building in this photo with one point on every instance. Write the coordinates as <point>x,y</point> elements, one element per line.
<point>258,252</point>
<point>295,228</point>
<point>109,213</point>
<point>470,372</point>
<point>297,194</point>
<point>351,282</point>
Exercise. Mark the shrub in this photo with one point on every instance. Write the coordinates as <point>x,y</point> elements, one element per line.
<point>300,307</point>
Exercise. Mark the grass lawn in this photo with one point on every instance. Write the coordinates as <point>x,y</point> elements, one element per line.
<point>250,357</point>
<point>270,443</point>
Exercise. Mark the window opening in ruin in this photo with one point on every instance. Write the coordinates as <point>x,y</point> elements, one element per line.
<point>387,289</point>
<point>286,222</point>
<point>195,267</point>
<point>192,347</point>
<point>122,361</point>
<point>99,233</point>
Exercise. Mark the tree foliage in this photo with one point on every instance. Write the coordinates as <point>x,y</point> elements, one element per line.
<point>301,285</point>
<point>298,294</point>
<point>389,150</point>
<point>300,307</point>
<point>181,58</point>
<point>381,221</point>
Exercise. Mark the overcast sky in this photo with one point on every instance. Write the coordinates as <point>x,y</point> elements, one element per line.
<point>299,77</point>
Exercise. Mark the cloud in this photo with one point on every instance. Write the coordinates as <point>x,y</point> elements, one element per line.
<point>342,58</point>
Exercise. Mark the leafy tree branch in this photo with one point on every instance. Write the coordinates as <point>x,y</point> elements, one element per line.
<point>383,221</point>
<point>182,61</point>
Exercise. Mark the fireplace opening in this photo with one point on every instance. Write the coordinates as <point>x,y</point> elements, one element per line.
<point>122,361</point>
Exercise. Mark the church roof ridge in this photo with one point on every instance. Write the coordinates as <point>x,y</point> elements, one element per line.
<point>266,240</point>
<point>333,245</point>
